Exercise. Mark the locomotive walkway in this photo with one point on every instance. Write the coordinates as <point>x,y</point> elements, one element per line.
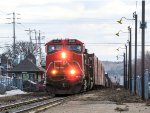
<point>103,101</point>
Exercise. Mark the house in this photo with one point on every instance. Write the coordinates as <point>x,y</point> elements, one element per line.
<point>27,70</point>
<point>5,64</point>
<point>3,71</point>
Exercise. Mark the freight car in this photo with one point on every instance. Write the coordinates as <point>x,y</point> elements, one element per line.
<point>70,68</point>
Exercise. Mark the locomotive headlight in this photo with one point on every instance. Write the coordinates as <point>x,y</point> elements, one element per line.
<point>72,72</point>
<point>63,55</point>
<point>54,72</point>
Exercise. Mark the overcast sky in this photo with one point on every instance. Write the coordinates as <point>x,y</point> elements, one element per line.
<point>91,21</point>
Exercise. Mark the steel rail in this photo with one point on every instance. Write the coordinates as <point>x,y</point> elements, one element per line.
<point>42,106</point>
<point>15,105</point>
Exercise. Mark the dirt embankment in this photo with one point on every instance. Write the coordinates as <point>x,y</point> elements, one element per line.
<point>115,95</point>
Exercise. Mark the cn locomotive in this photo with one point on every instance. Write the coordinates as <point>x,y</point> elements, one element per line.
<point>70,68</point>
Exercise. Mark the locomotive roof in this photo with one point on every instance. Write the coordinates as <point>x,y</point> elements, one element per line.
<point>65,41</point>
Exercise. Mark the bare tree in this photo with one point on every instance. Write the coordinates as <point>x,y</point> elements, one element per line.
<point>21,47</point>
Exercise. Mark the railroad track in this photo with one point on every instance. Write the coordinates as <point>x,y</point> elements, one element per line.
<point>15,105</point>
<point>43,106</point>
<point>35,105</point>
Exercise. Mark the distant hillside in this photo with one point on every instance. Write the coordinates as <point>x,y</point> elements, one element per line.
<point>113,68</point>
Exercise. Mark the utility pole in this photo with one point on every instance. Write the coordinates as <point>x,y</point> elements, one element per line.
<point>126,78</point>
<point>14,34</point>
<point>130,58</point>
<point>129,66</point>
<point>39,43</point>
<point>35,36</point>
<point>143,26</point>
<point>30,31</point>
<point>135,67</point>
<point>124,70</point>
<point>36,47</point>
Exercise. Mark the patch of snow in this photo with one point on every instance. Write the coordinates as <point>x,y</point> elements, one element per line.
<point>13,92</point>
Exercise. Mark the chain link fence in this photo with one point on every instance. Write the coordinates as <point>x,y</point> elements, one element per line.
<point>139,85</point>
<point>7,84</point>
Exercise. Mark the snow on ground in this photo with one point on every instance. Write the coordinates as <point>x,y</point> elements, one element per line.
<point>13,92</point>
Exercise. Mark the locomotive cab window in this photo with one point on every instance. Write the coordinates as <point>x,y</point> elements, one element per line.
<point>53,48</point>
<point>74,47</point>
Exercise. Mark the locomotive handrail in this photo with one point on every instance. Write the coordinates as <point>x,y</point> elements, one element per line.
<point>48,66</point>
<point>80,68</point>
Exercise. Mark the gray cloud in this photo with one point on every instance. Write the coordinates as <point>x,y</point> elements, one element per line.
<point>91,21</point>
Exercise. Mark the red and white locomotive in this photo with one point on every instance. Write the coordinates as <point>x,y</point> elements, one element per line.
<point>70,68</point>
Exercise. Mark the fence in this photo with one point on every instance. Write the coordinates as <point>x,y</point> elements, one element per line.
<point>11,82</point>
<point>139,85</point>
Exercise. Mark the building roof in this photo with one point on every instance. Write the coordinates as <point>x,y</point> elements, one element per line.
<point>27,65</point>
<point>31,57</point>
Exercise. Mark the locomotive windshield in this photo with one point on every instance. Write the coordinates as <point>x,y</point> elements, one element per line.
<point>74,47</point>
<point>53,48</point>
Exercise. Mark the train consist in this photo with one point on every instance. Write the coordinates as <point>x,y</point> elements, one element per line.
<point>71,69</point>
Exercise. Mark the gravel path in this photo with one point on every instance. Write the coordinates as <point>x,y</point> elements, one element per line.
<point>96,107</point>
<point>103,101</point>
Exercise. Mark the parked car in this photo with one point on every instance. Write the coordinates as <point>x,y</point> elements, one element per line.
<point>41,85</point>
<point>32,86</point>
<point>29,85</point>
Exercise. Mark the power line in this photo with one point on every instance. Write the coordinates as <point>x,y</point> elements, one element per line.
<point>106,44</point>
<point>4,37</point>
<point>3,12</point>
